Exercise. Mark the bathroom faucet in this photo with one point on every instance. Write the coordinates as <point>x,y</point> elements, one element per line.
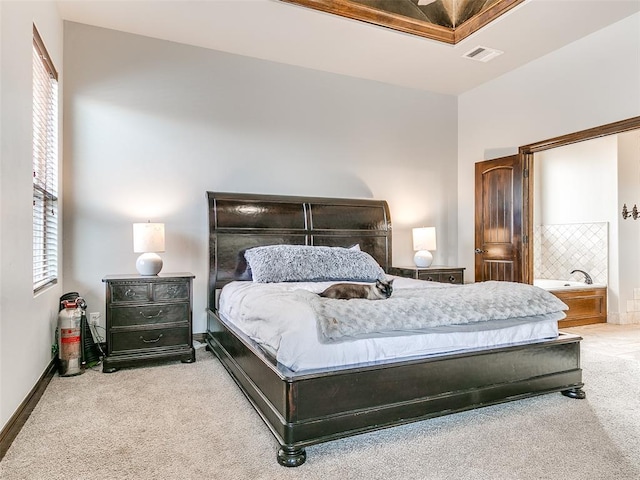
<point>587,278</point>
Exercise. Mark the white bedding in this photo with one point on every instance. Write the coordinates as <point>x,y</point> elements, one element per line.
<point>287,328</point>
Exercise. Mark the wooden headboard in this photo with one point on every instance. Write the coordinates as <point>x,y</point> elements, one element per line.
<point>238,221</point>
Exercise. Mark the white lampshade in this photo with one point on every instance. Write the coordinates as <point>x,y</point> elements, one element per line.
<point>424,239</point>
<point>148,239</point>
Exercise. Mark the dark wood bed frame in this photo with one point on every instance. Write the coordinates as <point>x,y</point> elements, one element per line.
<point>322,405</point>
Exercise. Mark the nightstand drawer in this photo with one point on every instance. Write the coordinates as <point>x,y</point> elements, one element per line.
<point>447,277</point>
<point>171,291</point>
<point>429,277</point>
<point>130,292</point>
<point>431,274</point>
<point>452,277</point>
<point>149,314</point>
<point>123,341</point>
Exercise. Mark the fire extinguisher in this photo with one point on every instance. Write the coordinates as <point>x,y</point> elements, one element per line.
<point>69,345</point>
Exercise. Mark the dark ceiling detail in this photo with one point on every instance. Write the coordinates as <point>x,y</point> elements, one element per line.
<point>444,20</point>
<point>466,9</point>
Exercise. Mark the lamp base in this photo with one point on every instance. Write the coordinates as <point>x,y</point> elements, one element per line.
<point>423,258</point>
<point>149,264</point>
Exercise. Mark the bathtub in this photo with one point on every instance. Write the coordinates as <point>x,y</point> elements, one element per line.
<point>587,303</point>
<point>549,284</point>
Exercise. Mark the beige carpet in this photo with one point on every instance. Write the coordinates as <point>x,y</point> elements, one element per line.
<point>179,421</point>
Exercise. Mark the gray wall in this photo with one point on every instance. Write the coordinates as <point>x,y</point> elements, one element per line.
<point>151,125</point>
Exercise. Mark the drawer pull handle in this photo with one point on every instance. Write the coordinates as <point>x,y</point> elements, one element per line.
<point>129,293</point>
<point>151,341</point>
<point>172,290</point>
<point>152,316</point>
<point>452,279</point>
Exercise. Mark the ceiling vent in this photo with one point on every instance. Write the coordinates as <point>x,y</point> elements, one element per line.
<point>482,54</point>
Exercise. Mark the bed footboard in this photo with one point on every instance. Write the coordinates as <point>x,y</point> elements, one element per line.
<point>306,409</point>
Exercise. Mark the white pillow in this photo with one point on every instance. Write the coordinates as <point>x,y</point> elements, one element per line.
<point>303,263</point>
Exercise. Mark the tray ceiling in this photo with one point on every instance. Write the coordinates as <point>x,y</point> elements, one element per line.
<point>447,21</point>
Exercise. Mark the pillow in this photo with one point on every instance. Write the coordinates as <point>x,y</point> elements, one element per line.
<point>303,263</point>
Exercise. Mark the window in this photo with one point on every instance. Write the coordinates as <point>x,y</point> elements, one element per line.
<point>45,167</point>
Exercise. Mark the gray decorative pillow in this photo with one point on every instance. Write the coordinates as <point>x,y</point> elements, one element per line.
<point>303,263</point>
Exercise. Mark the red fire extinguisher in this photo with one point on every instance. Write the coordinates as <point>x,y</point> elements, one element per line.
<point>69,346</point>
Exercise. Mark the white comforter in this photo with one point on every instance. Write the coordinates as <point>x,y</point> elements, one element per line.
<point>287,328</point>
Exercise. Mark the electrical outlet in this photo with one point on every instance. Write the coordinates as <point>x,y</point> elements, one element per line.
<point>94,318</point>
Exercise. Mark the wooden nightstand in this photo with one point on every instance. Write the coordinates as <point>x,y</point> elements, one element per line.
<point>148,318</point>
<point>435,273</point>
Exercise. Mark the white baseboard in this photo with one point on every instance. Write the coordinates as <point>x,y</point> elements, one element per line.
<point>626,318</point>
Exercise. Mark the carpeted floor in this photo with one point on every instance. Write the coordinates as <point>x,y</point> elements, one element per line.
<point>180,421</point>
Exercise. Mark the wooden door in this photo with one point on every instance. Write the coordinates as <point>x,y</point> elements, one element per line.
<point>498,220</point>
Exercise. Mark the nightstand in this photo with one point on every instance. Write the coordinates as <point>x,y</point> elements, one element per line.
<point>435,273</point>
<point>148,318</point>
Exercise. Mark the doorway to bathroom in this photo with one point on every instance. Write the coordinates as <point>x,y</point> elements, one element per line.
<point>575,212</point>
<point>576,190</point>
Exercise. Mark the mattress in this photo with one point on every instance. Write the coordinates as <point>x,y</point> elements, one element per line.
<point>287,329</point>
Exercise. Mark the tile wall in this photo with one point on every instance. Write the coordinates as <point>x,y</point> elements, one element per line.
<point>633,309</point>
<point>559,249</point>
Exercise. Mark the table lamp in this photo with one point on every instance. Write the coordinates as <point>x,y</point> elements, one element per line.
<point>424,239</point>
<point>148,239</point>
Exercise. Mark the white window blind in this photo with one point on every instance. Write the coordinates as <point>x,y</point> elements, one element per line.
<point>45,167</point>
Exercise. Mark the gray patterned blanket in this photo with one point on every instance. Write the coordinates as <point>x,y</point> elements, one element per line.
<point>414,309</point>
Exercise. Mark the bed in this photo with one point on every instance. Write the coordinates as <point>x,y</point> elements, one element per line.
<point>303,406</point>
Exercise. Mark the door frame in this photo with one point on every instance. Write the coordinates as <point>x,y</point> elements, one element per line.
<point>526,157</point>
